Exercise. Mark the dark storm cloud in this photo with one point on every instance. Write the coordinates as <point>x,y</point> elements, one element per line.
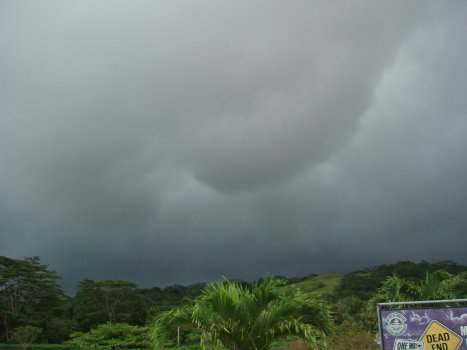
<point>178,142</point>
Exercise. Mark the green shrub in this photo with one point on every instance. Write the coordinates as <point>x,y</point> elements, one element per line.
<point>112,336</point>
<point>26,335</point>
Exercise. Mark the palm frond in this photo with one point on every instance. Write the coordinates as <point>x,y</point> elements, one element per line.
<point>252,317</point>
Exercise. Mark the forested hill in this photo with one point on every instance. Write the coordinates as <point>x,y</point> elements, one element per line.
<point>31,296</point>
<point>363,283</point>
<point>360,284</point>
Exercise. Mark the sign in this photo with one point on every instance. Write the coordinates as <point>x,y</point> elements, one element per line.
<point>443,328</point>
<point>402,344</point>
<point>439,337</point>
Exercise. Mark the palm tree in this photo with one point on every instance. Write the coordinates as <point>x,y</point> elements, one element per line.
<point>438,285</point>
<point>249,318</point>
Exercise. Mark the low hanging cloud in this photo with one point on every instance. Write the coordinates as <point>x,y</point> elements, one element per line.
<point>178,142</point>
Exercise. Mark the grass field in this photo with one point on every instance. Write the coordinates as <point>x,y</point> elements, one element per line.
<point>319,286</point>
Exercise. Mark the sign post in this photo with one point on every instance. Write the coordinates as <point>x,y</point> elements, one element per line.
<point>423,325</point>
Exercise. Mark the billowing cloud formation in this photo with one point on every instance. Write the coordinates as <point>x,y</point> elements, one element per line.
<point>177,142</point>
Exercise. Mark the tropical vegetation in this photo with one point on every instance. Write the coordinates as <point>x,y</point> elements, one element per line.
<point>112,336</point>
<point>249,317</point>
<point>113,314</point>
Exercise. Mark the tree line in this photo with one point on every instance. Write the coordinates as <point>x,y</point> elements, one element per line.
<point>34,307</point>
<point>30,295</point>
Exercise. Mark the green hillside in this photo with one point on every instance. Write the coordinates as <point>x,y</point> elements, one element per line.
<point>321,286</point>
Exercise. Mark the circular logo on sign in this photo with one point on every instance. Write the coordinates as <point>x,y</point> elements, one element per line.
<point>395,323</point>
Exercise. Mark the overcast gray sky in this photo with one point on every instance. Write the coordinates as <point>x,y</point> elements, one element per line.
<point>172,142</point>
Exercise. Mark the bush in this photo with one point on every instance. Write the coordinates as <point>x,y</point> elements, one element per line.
<point>112,336</point>
<point>26,335</point>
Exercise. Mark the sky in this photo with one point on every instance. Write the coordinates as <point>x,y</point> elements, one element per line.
<point>175,142</point>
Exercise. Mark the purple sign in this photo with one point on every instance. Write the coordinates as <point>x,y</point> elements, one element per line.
<point>424,329</point>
